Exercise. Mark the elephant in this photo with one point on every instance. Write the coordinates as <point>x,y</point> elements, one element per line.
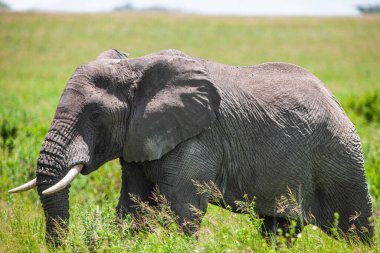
<point>172,119</point>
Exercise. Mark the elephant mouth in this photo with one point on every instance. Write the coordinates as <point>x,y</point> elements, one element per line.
<point>86,170</point>
<point>89,167</point>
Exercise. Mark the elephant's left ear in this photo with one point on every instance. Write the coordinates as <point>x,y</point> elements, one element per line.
<point>112,54</point>
<point>174,101</point>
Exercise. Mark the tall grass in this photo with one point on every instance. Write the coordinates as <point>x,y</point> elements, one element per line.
<point>39,52</point>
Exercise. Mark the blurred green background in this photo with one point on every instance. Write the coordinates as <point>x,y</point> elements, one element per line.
<point>39,52</point>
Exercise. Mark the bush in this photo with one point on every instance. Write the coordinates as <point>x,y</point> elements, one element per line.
<point>367,106</point>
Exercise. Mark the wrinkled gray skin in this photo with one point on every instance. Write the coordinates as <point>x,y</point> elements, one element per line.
<point>171,118</point>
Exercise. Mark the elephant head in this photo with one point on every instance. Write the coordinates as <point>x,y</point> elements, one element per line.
<point>115,107</point>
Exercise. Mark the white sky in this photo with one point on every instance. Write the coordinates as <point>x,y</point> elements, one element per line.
<point>238,7</point>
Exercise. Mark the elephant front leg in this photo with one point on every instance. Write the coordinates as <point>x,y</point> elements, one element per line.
<point>176,175</point>
<point>189,210</point>
<point>134,184</point>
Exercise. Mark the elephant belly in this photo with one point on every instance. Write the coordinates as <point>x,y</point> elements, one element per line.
<point>267,170</point>
<point>268,188</point>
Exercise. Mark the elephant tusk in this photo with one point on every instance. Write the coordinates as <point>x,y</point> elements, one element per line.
<point>27,186</point>
<point>70,176</point>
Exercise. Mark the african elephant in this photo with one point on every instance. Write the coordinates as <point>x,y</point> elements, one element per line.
<point>172,118</point>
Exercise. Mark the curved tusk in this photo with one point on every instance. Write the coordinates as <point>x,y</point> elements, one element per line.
<point>27,186</point>
<point>73,172</point>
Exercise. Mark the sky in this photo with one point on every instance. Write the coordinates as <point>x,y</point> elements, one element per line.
<point>213,7</point>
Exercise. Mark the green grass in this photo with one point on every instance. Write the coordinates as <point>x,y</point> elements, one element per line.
<point>39,52</point>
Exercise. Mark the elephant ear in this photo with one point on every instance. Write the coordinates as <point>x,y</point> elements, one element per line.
<point>174,100</point>
<point>112,54</point>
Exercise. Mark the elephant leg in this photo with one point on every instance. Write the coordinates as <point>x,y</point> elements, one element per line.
<point>343,192</point>
<point>176,173</point>
<point>337,210</point>
<point>190,210</point>
<point>135,183</point>
<point>271,225</point>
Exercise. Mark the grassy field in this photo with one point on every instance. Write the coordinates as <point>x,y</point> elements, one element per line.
<point>39,52</point>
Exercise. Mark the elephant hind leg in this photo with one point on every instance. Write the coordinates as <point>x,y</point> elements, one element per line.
<point>271,225</point>
<point>343,200</point>
<point>340,184</point>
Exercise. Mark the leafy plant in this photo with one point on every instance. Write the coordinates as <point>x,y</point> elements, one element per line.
<point>366,105</point>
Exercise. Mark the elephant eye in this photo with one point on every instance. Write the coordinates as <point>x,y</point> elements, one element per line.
<point>95,116</point>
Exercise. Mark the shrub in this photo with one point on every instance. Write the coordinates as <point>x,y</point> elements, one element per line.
<point>367,106</point>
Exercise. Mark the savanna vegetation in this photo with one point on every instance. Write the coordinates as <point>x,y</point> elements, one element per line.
<point>39,52</point>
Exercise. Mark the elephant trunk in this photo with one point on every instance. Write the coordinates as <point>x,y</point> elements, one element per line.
<point>58,154</point>
<point>56,209</point>
<point>51,167</point>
